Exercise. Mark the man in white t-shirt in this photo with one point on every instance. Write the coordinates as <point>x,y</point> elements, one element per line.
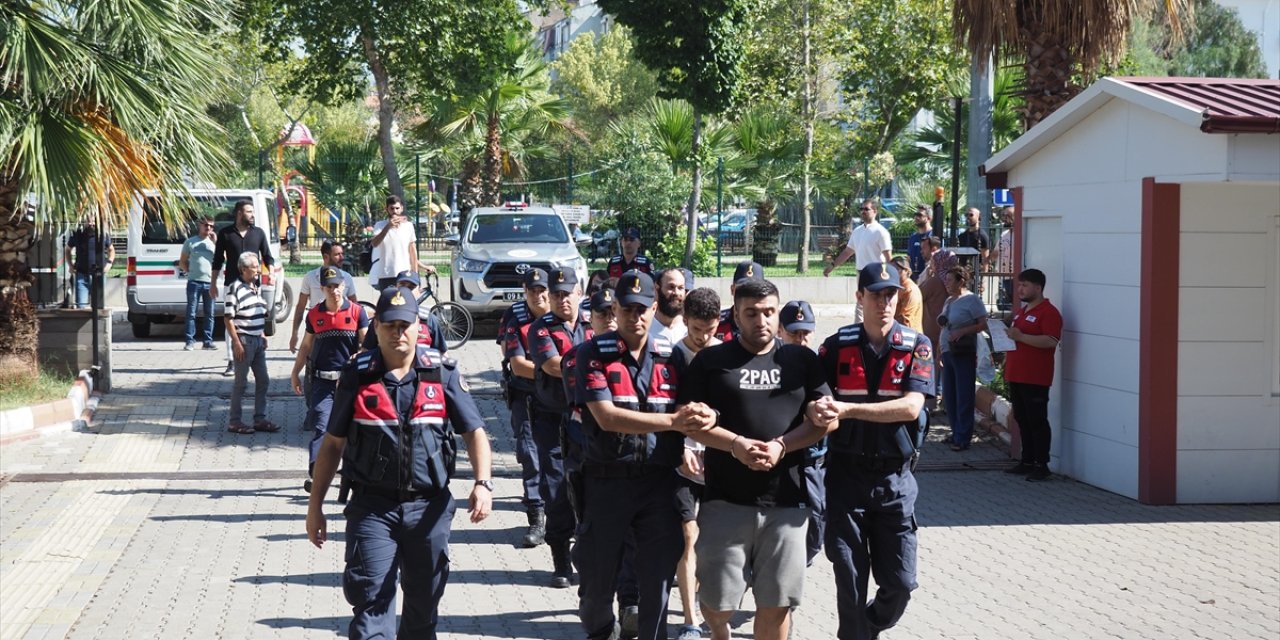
<point>394,247</point>
<point>311,294</point>
<point>869,242</point>
<point>668,319</point>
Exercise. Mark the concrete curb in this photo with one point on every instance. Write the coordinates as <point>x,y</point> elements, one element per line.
<point>73,413</point>
<point>997,418</point>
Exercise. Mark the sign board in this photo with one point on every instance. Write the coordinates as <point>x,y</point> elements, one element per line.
<point>1002,197</point>
<point>578,214</point>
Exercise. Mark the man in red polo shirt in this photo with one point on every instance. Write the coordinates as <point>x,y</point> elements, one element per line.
<point>1037,328</point>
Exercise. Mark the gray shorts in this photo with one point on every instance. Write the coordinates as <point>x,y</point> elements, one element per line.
<point>758,547</point>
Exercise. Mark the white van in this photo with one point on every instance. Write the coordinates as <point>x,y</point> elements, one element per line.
<point>157,291</point>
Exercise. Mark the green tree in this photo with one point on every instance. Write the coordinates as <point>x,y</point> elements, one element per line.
<point>695,50</point>
<point>773,153</point>
<point>637,185</point>
<point>93,109</point>
<point>929,148</point>
<point>410,50</point>
<point>896,57</point>
<point>1218,45</point>
<point>1057,40</point>
<point>603,81</point>
<point>516,108</point>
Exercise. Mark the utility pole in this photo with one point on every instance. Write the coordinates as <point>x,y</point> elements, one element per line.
<point>981,81</point>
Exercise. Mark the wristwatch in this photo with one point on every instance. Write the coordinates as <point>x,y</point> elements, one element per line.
<point>488,484</point>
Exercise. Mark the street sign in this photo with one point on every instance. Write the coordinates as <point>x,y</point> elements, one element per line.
<point>578,214</point>
<point>1002,197</point>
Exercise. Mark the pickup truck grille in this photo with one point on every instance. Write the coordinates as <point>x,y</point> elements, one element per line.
<point>502,275</point>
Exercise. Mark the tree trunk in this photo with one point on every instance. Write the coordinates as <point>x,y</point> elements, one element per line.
<point>806,214</point>
<point>695,198</point>
<point>492,195</point>
<point>1048,75</point>
<point>386,113</point>
<point>18,324</point>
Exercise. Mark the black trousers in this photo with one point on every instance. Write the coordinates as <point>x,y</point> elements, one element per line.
<point>1031,410</point>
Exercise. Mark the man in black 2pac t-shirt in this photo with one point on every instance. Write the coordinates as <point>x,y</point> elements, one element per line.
<point>755,506</point>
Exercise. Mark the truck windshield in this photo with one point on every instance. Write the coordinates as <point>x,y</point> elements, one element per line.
<point>517,228</point>
<point>194,208</point>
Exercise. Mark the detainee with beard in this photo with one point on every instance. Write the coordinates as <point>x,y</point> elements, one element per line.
<point>668,320</point>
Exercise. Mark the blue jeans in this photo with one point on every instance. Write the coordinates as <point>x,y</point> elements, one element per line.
<point>82,289</point>
<point>198,293</point>
<point>959,375</point>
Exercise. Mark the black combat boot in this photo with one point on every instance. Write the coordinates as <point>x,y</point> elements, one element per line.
<point>562,575</point>
<point>537,528</point>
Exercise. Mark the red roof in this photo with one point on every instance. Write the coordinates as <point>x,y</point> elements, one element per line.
<point>1228,105</point>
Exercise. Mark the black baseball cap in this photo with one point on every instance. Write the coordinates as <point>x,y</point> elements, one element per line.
<point>409,276</point>
<point>397,304</point>
<point>631,232</point>
<point>535,277</point>
<point>747,270</point>
<point>635,287</point>
<point>330,276</point>
<point>602,299</point>
<point>877,276</point>
<point>797,315</point>
<point>565,280</point>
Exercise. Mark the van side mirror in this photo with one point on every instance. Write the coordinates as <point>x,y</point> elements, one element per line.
<point>451,240</point>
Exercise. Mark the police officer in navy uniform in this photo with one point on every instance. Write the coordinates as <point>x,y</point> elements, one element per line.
<point>746,270</point>
<point>798,322</point>
<point>880,372</point>
<point>630,259</point>
<point>628,381</point>
<point>391,427</point>
<point>430,334</point>
<point>550,337</point>
<point>518,372</point>
<point>335,328</point>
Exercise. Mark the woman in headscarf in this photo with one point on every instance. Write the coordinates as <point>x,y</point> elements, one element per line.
<point>934,291</point>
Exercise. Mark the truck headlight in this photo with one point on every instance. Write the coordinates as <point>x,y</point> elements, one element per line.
<point>471,266</point>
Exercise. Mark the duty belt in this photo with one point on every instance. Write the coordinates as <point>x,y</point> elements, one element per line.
<point>621,469</point>
<point>399,495</point>
<point>864,462</point>
<point>327,375</point>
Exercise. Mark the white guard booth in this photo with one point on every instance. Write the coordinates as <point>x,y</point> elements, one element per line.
<point>1153,207</point>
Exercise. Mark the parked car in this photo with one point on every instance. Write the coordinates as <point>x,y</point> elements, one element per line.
<point>156,291</point>
<point>499,245</point>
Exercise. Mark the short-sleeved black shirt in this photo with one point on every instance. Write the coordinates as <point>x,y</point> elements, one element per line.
<point>231,244</point>
<point>760,397</point>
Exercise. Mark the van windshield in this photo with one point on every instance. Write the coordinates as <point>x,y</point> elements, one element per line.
<point>513,228</point>
<point>193,209</point>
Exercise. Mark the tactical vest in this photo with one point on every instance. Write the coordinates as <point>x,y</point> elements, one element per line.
<point>548,389</point>
<point>618,266</point>
<point>875,439</point>
<point>387,450</point>
<point>569,382</point>
<point>519,333</point>
<point>727,330</point>
<point>659,396</point>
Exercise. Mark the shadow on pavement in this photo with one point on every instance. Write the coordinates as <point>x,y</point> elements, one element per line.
<point>987,498</point>
<point>333,624</point>
<point>328,579</point>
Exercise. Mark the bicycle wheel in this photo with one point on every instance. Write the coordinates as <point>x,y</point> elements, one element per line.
<point>455,321</point>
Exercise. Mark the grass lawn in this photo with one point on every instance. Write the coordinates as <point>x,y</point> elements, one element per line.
<point>49,386</point>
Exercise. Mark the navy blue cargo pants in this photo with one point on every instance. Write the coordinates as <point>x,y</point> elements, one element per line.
<point>871,530</point>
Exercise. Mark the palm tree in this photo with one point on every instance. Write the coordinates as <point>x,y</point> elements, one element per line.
<point>95,107</point>
<point>767,139</point>
<point>1057,39</point>
<point>502,118</point>
<point>930,147</point>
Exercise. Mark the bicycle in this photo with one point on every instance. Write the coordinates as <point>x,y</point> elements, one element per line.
<point>454,319</point>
